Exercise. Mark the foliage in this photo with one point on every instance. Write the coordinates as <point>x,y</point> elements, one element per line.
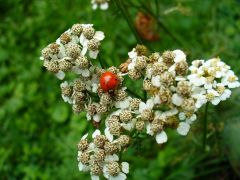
<point>38,131</point>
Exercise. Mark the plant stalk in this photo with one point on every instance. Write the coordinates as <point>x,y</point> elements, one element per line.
<point>205,126</point>
<point>129,21</point>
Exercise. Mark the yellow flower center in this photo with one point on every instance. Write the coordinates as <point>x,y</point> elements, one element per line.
<point>220,89</point>
<point>210,96</point>
<point>232,78</point>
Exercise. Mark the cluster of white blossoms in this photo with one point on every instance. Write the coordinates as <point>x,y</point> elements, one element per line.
<point>102,4</point>
<point>174,94</point>
<point>100,156</point>
<point>175,91</point>
<point>213,80</point>
<point>69,51</point>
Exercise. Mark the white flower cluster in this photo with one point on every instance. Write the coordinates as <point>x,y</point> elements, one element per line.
<point>100,156</point>
<point>102,4</point>
<point>68,53</point>
<point>175,92</point>
<point>213,80</point>
<point>174,95</point>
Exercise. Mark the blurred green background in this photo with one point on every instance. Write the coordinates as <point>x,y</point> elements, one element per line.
<point>39,132</point>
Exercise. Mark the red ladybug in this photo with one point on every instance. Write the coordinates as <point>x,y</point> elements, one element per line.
<point>109,81</point>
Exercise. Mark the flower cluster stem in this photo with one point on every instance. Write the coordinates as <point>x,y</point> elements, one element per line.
<point>128,19</point>
<point>205,126</point>
<point>100,60</point>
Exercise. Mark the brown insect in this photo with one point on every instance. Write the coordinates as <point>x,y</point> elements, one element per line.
<point>146,26</point>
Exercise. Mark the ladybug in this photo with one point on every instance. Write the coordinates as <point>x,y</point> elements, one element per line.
<point>108,81</point>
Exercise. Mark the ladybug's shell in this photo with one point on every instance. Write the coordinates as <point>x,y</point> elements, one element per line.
<point>108,81</point>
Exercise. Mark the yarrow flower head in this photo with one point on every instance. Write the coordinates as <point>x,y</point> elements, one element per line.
<point>213,81</point>
<point>102,4</point>
<point>100,157</point>
<point>174,94</point>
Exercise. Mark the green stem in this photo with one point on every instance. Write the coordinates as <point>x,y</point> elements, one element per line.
<point>205,126</point>
<point>157,7</point>
<point>161,24</point>
<point>126,16</point>
<point>100,60</point>
<point>145,96</point>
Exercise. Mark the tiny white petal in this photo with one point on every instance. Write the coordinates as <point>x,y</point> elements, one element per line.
<point>161,137</point>
<point>108,134</point>
<point>182,116</point>
<point>88,117</point>
<point>150,103</point>
<point>149,129</point>
<point>97,117</point>
<point>85,73</point>
<point>177,100</point>
<point>104,6</point>
<point>60,75</point>
<point>84,50</point>
<point>94,177</point>
<point>156,81</point>
<point>93,54</point>
<point>96,133</point>
<point>125,167</point>
<point>183,128</point>
<point>64,84</point>
<point>94,6</point>
<point>83,167</point>
<point>193,117</point>
<point>84,136</point>
<point>215,101</point>
<point>99,35</point>
<point>179,55</point>
<point>111,158</point>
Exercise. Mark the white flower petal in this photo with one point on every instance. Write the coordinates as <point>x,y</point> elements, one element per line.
<point>125,167</point>
<point>150,103</point>
<point>97,117</point>
<point>84,50</point>
<point>84,136</point>
<point>149,129</point>
<point>76,70</point>
<point>179,55</point>
<point>93,54</point>
<point>104,6</point>
<point>132,54</point>
<point>85,73</point>
<point>157,100</point>
<point>183,128</point>
<point>177,100</point>
<point>83,167</point>
<point>96,133</point>
<point>216,101</point>
<point>60,75</point>
<point>156,81</point>
<point>94,87</point>
<point>64,84</point>
<point>99,35</point>
<point>108,134</point>
<point>94,177</point>
<point>182,116</point>
<point>82,39</point>
<point>193,117</point>
<point>94,6</point>
<point>131,66</point>
<point>161,137</point>
<point>111,158</point>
